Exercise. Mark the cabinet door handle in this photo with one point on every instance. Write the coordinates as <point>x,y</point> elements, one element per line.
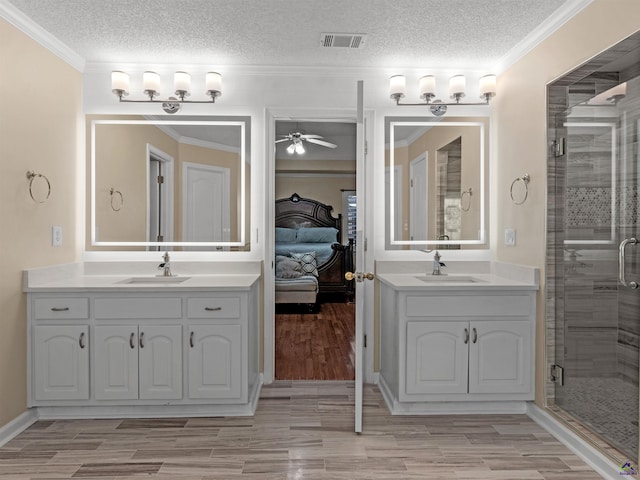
<point>81,341</point>
<point>213,309</point>
<point>132,343</point>
<point>141,339</point>
<point>191,340</point>
<point>59,309</point>
<point>475,335</point>
<point>466,336</point>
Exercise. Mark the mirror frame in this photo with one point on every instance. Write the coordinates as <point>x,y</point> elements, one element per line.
<point>243,157</point>
<point>391,205</point>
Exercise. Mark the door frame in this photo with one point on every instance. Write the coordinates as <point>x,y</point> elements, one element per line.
<point>272,115</point>
<point>423,157</point>
<point>169,191</point>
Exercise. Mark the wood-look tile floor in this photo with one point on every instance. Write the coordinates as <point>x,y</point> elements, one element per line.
<point>301,430</point>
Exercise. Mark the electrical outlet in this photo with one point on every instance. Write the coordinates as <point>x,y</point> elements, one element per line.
<point>509,237</point>
<point>56,235</point>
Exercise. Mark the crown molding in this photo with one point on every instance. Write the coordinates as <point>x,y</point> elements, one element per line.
<point>565,13</point>
<point>196,142</point>
<point>27,26</point>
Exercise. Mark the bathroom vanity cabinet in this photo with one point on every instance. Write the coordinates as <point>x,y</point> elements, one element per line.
<point>452,347</point>
<point>135,350</point>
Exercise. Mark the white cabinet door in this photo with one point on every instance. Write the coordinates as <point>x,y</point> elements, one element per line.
<point>215,361</point>
<point>500,357</point>
<point>61,362</point>
<point>116,362</point>
<point>160,360</point>
<point>437,357</point>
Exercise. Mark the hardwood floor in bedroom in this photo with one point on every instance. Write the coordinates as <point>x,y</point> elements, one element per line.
<point>315,346</point>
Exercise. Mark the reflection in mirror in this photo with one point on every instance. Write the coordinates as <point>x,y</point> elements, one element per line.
<point>182,183</point>
<point>435,182</point>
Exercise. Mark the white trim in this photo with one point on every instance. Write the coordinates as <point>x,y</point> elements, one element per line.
<point>27,26</point>
<point>594,458</point>
<point>561,16</point>
<point>316,175</point>
<point>449,408</point>
<point>18,425</point>
<point>210,145</point>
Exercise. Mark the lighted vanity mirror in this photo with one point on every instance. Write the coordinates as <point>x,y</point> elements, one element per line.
<point>435,182</point>
<point>179,183</point>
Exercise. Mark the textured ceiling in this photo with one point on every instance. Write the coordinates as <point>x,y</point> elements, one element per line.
<point>401,33</point>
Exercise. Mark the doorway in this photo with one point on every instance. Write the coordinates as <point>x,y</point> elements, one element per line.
<point>314,337</point>
<point>160,196</point>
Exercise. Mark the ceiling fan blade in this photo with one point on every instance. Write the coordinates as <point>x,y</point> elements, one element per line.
<point>321,142</point>
<point>283,140</point>
<point>305,136</point>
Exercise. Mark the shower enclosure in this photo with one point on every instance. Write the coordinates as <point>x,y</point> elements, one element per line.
<point>593,255</point>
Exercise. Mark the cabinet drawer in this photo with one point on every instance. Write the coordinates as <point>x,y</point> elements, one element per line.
<point>467,305</point>
<point>138,308</point>
<point>67,308</point>
<point>213,307</point>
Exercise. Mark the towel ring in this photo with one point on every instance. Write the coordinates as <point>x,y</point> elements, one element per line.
<point>31,175</point>
<point>468,193</point>
<point>525,179</point>
<point>115,193</point>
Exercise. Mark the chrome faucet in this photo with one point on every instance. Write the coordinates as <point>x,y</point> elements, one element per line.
<point>437,264</point>
<point>166,265</point>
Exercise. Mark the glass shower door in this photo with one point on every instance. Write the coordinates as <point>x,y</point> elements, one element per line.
<point>598,317</point>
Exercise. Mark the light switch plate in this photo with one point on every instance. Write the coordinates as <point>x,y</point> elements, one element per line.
<point>509,237</point>
<point>56,235</point>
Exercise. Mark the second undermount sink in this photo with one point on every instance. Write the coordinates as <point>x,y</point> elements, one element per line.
<point>449,279</point>
<point>154,280</point>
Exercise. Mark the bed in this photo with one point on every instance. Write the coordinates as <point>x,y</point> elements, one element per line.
<point>306,230</point>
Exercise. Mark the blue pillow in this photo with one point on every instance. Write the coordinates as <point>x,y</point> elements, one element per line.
<point>285,235</point>
<point>317,235</point>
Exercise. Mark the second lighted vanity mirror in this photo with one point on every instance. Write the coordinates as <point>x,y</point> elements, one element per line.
<point>435,182</point>
<point>158,183</point>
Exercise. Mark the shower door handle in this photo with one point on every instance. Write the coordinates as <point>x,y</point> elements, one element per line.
<point>621,262</point>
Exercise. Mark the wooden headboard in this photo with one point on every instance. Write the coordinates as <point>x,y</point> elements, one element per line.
<point>297,212</point>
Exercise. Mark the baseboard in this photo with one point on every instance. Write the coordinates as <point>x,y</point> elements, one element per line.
<point>17,425</point>
<point>590,455</point>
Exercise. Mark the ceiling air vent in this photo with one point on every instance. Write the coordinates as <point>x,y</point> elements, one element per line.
<point>342,40</point>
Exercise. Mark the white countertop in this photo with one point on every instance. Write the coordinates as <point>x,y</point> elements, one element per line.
<point>457,282</point>
<point>75,278</point>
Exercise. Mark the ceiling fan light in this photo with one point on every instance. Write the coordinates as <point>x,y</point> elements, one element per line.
<point>291,148</point>
<point>299,148</point>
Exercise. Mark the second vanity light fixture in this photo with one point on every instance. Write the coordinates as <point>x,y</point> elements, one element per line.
<point>457,87</point>
<point>151,87</point>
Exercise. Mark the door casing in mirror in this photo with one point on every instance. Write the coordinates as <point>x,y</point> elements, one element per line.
<point>409,141</point>
<point>217,143</point>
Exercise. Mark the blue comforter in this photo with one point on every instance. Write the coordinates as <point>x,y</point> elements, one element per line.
<point>323,250</point>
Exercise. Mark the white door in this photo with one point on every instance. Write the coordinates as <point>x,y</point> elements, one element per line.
<point>500,357</point>
<point>215,361</point>
<point>205,192</point>
<point>360,254</point>
<point>437,357</point>
<point>115,362</point>
<point>160,362</point>
<point>418,199</point>
<point>61,367</point>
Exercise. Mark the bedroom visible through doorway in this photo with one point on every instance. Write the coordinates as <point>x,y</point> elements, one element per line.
<point>314,311</point>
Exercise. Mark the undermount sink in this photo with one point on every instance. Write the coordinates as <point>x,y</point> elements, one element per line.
<point>449,279</point>
<point>154,280</point>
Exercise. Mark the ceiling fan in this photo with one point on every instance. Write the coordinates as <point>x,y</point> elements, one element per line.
<point>296,139</point>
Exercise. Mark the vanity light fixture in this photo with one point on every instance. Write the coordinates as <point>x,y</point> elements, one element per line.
<point>151,88</point>
<point>427,90</point>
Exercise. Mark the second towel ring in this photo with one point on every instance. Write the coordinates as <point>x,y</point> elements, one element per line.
<point>31,175</point>
<point>468,193</point>
<point>525,179</point>
<point>116,193</point>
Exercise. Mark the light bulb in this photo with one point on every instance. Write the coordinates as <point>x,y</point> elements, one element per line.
<point>120,83</point>
<point>182,82</point>
<point>397,86</point>
<point>291,148</point>
<point>299,148</point>
<point>151,83</point>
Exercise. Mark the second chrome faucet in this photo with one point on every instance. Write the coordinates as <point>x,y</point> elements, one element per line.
<point>166,265</point>
<point>437,264</point>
